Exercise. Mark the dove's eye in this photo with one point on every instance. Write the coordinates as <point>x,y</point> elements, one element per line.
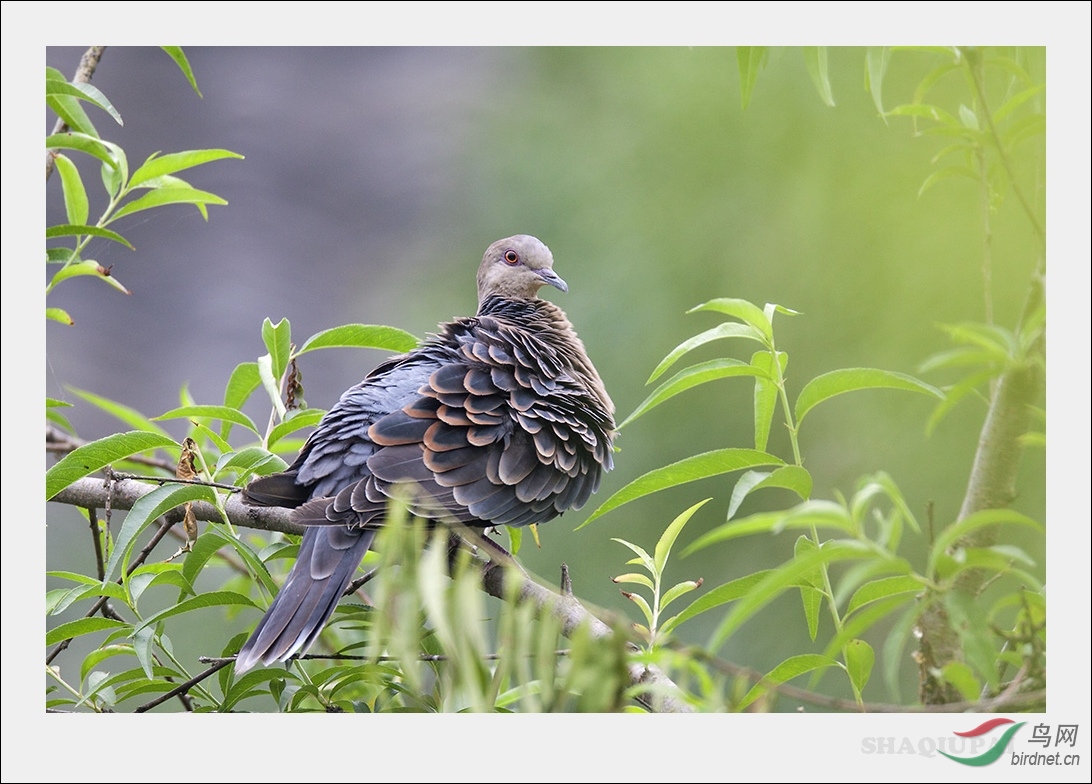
<point>511,257</point>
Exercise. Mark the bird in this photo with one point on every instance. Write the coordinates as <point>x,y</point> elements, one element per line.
<point>496,419</point>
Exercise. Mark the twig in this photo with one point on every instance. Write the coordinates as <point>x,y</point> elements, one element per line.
<point>88,63</point>
<point>182,688</point>
<point>495,575</point>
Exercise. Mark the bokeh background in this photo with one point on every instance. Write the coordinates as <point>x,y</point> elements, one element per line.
<point>374,178</point>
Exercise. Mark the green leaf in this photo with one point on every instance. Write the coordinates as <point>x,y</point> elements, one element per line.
<point>91,457</point>
<point>57,314</point>
<point>929,112</point>
<point>677,590</point>
<point>751,60</point>
<point>766,393</point>
<point>1016,101</point>
<point>105,151</point>
<point>786,576</point>
<point>953,533</point>
<point>163,196</point>
<point>877,59</point>
<point>96,657</point>
<point>271,384</point>
<point>729,329</point>
<point>223,413</point>
<point>818,513</point>
<point>75,196</point>
<point>253,459</point>
<point>968,117</point>
<point>640,601</point>
<point>722,594</point>
<point>175,162</point>
<point>73,629</point>
<point>145,511</point>
<point>838,382</point>
<point>859,660</point>
<point>84,268</point>
<point>691,377</point>
<point>634,578</point>
<point>881,589</point>
<point>84,91</point>
<point>745,311</point>
<point>791,477</point>
<point>297,421</point>
<point>811,586</point>
<point>361,336</point>
<point>199,602</point>
<point>969,620</point>
<point>786,671</point>
<point>72,114</point>
<point>815,58</point>
<point>179,57</point>
<point>671,533</point>
<point>243,381</point>
<point>129,416</point>
<point>278,340</point>
<point>721,461</point>
<point>943,174</point>
<point>961,676</point>
<point>70,230</point>
<point>642,556</point>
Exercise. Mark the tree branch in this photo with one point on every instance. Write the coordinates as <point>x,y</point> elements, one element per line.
<point>657,688</point>
<point>88,63</point>
<point>992,485</point>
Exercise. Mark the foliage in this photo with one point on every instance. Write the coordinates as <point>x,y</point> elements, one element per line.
<point>157,175</point>
<point>424,637</point>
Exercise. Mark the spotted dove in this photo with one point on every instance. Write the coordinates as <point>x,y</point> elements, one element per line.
<point>500,419</point>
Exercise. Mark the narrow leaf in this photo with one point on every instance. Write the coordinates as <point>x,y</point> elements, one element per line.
<point>751,60</point>
<point>84,91</point>
<point>786,671</point>
<point>722,594</point>
<point>766,393</point>
<point>72,230</point>
<point>98,148</point>
<point>671,533</point>
<point>175,162</point>
<point>223,413</point>
<point>690,469</point>
<point>877,59</point>
<point>745,311</point>
<point>815,58</point>
<point>691,377</point>
<point>859,660</point>
<point>163,196</point>
<point>127,415</point>
<point>838,382</point>
<point>91,457</point>
<point>729,329</point>
<point>75,196</point>
<point>73,629</point>
<point>361,336</point>
<point>881,589</point>
<point>145,511</point>
<point>179,57</point>
<point>278,341</point>
<point>953,533</point>
<point>793,478</point>
<point>818,513</point>
<point>199,602</point>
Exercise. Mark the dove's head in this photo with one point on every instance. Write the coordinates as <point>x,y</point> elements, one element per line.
<point>517,267</point>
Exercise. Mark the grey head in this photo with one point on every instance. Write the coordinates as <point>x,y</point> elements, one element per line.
<point>517,267</point>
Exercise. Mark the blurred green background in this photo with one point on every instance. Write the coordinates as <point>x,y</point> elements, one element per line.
<point>375,178</point>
